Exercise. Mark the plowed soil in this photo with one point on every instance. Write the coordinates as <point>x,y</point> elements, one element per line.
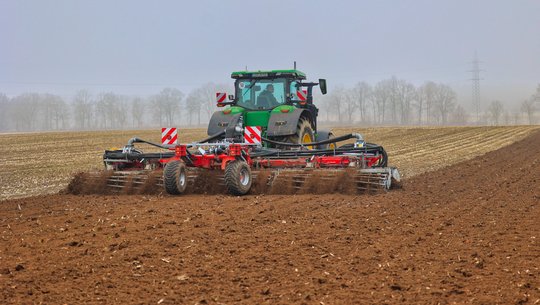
<point>468,233</point>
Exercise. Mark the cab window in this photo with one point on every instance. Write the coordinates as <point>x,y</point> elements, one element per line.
<point>260,94</point>
<point>292,91</point>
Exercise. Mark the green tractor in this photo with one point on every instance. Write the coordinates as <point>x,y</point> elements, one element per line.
<point>269,124</point>
<point>280,102</point>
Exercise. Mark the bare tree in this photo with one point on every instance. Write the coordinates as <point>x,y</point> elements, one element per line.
<point>45,105</point>
<point>405,94</point>
<point>507,118</point>
<point>381,98</point>
<point>459,116</point>
<point>107,109</point>
<point>121,112</point>
<point>4,111</point>
<point>495,112</point>
<point>350,104</point>
<point>444,102</point>
<point>391,85</point>
<point>193,107</point>
<point>166,105</point>
<point>516,116</point>
<point>83,110</point>
<point>137,112</point>
<point>58,112</point>
<point>205,96</point>
<point>325,106</point>
<point>54,112</point>
<point>337,100</point>
<point>425,98</point>
<point>362,93</point>
<point>528,108</point>
<point>25,111</point>
<point>173,98</point>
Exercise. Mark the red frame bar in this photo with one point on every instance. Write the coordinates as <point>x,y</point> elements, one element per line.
<point>237,151</point>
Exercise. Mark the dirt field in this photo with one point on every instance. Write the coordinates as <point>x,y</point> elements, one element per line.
<point>468,233</point>
<point>34,164</point>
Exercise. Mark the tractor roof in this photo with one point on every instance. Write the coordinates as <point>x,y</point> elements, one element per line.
<point>269,74</point>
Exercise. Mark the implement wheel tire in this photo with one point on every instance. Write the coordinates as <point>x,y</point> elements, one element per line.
<point>175,177</point>
<point>322,136</point>
<point>331,145</point>
<point>238,177</point>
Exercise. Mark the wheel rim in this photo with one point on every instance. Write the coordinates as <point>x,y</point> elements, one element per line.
<point>182,178</point>
<point>244,177</point>
<point>307,139</point>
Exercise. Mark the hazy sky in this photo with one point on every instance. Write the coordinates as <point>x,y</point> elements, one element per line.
<point>138,47</point>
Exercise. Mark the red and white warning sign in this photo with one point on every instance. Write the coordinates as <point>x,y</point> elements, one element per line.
<point>302,95</point>
<point>220,97</point>
<point>252,134</point>
<point>169,136</point>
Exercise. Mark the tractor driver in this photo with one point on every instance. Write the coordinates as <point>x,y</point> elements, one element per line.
<point>267,99</point>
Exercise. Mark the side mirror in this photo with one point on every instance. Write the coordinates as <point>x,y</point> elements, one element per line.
<point>322,85</point>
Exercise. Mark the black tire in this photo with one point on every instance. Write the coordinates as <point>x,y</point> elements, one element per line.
<point>238,177</point>
<point>175,177</point>
<point>303,129</point>
<point>329,145</point>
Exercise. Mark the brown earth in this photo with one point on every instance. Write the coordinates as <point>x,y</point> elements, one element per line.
<point>468,233</point>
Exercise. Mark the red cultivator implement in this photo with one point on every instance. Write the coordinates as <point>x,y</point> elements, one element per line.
<point>238,166</point>
<point>266,138</point>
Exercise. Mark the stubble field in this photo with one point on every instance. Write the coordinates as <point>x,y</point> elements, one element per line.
<point>43,163</point>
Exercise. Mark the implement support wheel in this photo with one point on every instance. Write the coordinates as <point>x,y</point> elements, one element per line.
<point>175,178</point>
<point>238,177</point>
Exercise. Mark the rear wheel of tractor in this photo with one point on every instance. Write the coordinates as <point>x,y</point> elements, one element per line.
<point>304,133</point>
<point>175,178</point>
<point>238,177</point>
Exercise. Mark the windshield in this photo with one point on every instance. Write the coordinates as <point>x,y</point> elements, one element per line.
<point>260,94</point>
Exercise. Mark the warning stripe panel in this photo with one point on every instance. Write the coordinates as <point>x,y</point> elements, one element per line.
<point>255,132</point>
<point>220,97</point>
<point>252,134</point>
<point>302,95</point>
<point>169,135</point>
<point>174,138</point>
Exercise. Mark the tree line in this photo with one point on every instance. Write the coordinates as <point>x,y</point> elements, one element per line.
<point>396,101</point>
<point>391,101</point>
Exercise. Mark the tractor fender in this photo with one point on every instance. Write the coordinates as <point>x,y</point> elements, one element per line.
<point>220,121</point>
<point>285,123</point>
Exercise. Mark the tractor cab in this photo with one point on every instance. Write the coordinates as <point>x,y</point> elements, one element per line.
<point>280,102</point>
<point>266,90</point>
